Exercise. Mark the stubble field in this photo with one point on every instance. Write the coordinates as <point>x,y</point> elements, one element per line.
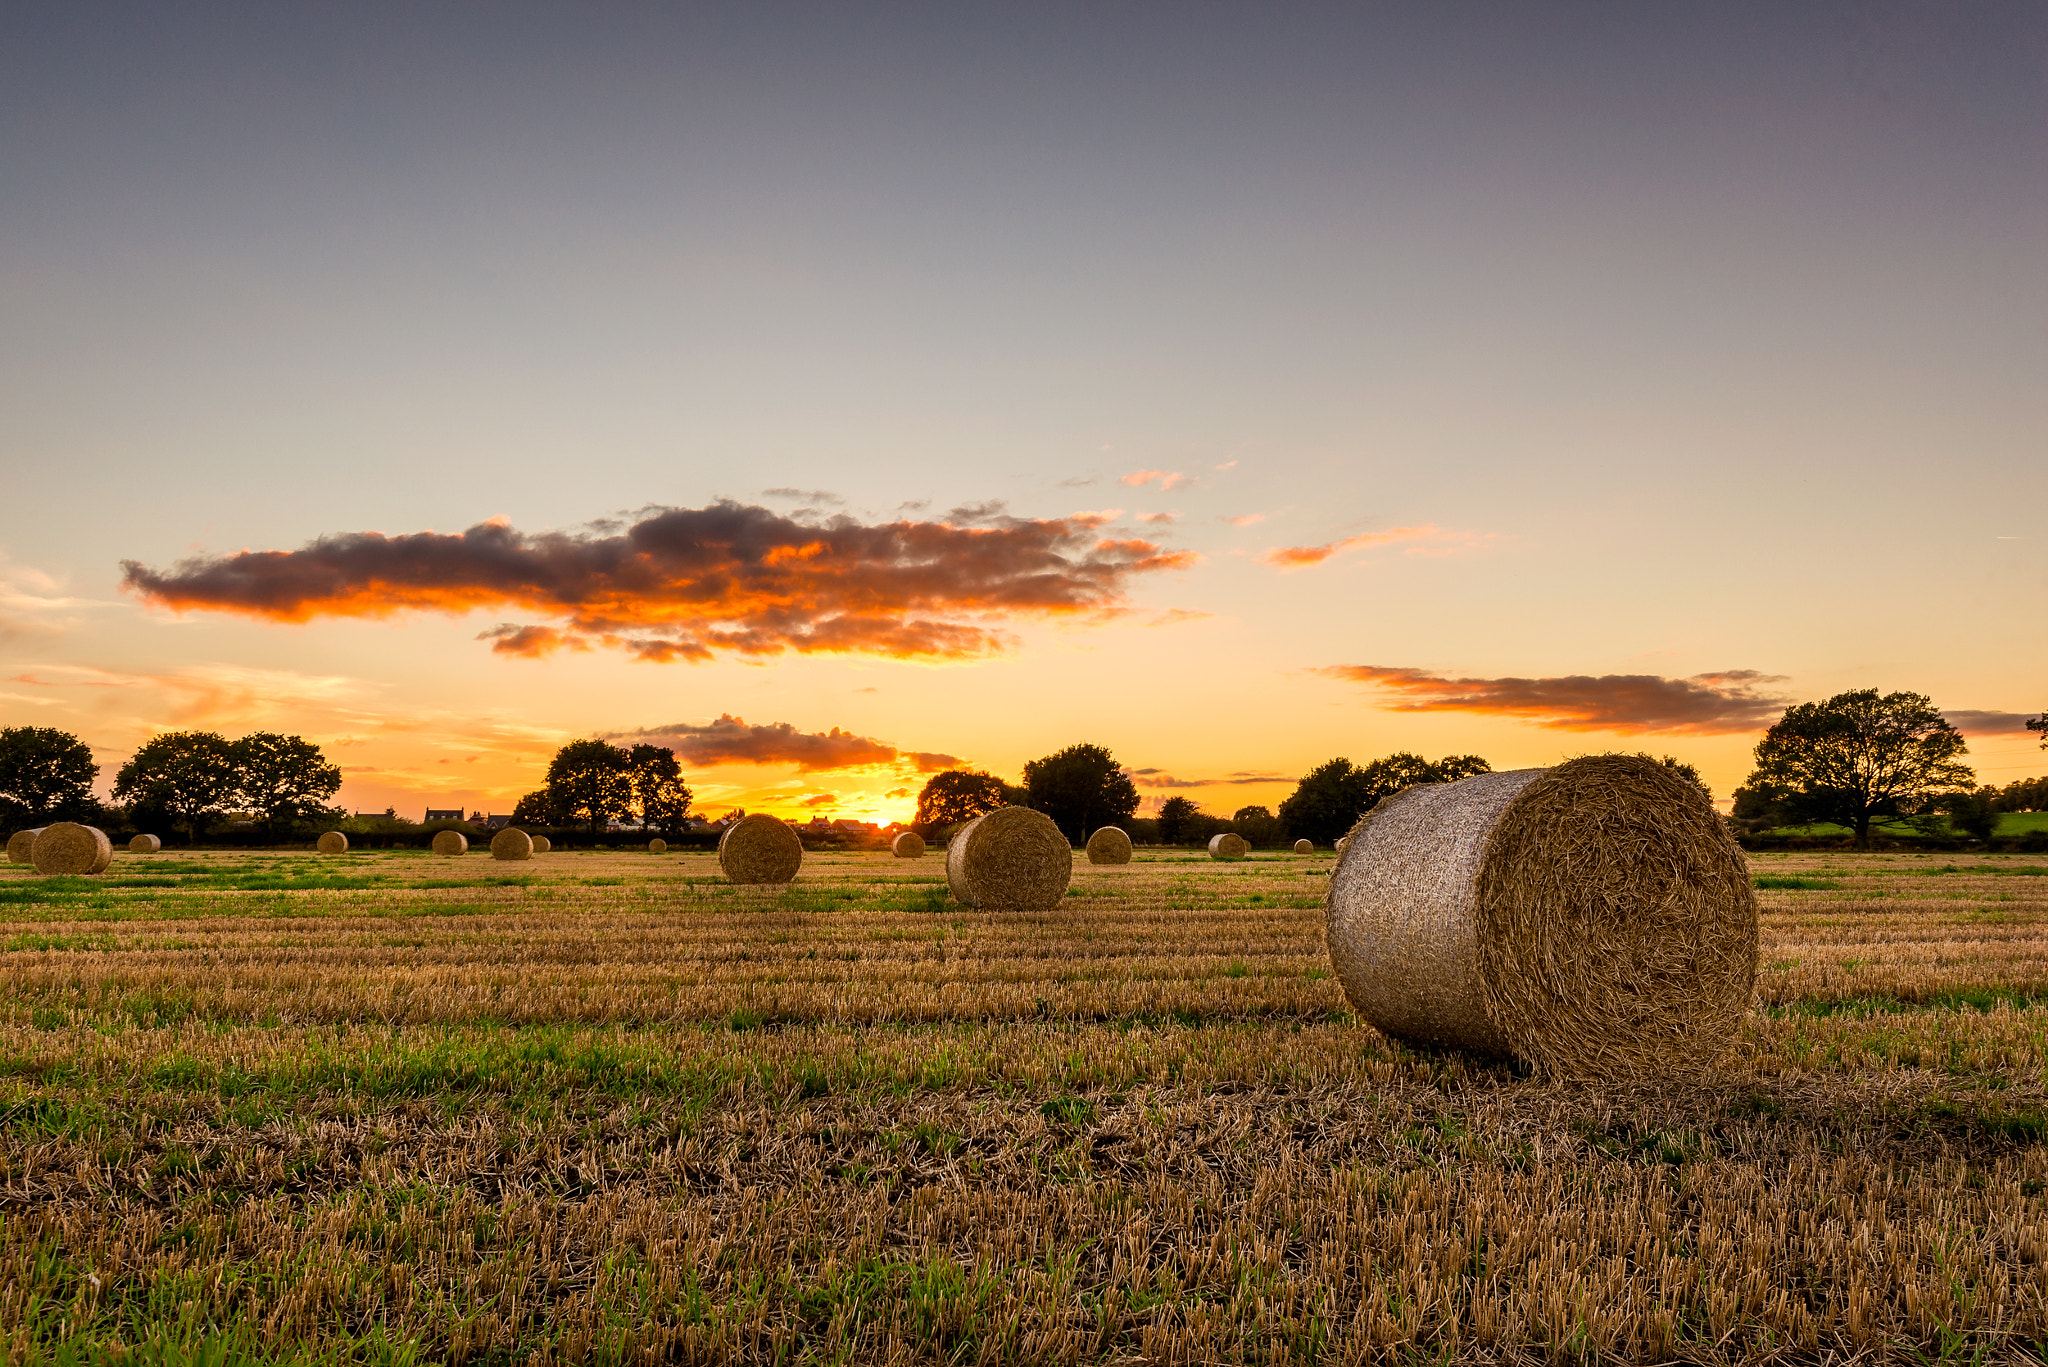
<point>606,1108</point>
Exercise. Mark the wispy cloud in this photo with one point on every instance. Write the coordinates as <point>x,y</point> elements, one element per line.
<point>734,740</point>
<point>1975,723</point>
<point>1422,540</point>
<point>1167,480</point>
<point>1159,778</point>
<point>1244,519</point>
<point>1725,703</point>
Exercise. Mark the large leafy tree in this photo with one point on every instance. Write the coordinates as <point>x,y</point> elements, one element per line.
<point>660,794</point>
<point>285,778</point>
<point>1081,788</point>
<point>1858,757</point>
<point>591,781</point>
<point>45,775</point>
<point>1176,815</point>
<point>189,776</point>
<point>955,795</point>
<point>1332,796</point>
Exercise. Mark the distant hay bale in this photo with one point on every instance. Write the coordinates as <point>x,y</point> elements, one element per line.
<point>1229,845</point>
<point>541,844</point>
<point>511,843</point>
<point>1343,844</point>
<point>67,847</point>
<point>1011,859</point>
<point>144,844</point>
<point>657,846</point>
<point>450,843</point>
<point>333,842</point>
<point>1591,920</point>
<point>1304,847</point>
<point>20,843</point>
<point>759,849</point>
<point>1109,845</point>
<point>908,845</point>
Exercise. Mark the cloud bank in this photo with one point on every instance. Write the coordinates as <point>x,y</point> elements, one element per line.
<point>1720,704</point>
<point>733,740</point>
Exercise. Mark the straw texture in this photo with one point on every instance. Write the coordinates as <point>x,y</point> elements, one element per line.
<point>1109,845</point>
<point>1228,845</point>
<point>332,842</point>
<point>450,843</point>
<point>1010,859</point>
<point>20,843</point>
<point>1304,846</point>
<point>67,847</point>
<point>908,845</point>
<point>759,848</point>
<point>657,846</point>
<point>144,844</point>
<point>511,843</point>
<point>541,844</point>
<point>1593,920</point>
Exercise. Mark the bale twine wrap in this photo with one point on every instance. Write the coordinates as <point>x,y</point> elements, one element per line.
<point>67,847</point>
<point>541,844</point>
<point>144,844</point>
<point>908,845</point>
<point>1010,859</point>
<point>332,842</point>
<point>1228,845</point>
<point>20,843</point>
<point>657,846</point>
<point>1109,845</point>
<point>1304,847</point>
<point>759,848</point>
<point>511,843</point>
<point>1592,920</point>
<point>450,843</point>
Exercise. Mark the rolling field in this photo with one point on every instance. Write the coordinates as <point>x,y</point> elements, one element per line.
<point>606,1108</point>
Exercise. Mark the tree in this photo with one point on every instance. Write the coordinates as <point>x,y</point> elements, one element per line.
<point>538,809</point>
<point>1974,814</point>
<point>1175,816</point>
<point>45,775</point>
<point>956,795</point>
<point>286,778</point>
<point>190,776</point>
<point>1689,772</point>
<point>2024,795</point>
<point>591,780</point>
<point>1332,796</point>
<point>658,788</point>
<point>2040,724</point>
<point>1857,757</point>
<point>1081,788</point>
<point>1258,826</point>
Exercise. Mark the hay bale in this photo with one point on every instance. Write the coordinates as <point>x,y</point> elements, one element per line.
<point>1592,920</point>
<point>1011,859</point>
<point>332,842</point>
<point>1304,847</point>
<point>67,847</point>
<point>657,846</point>
<point>1229,845</point>
<point>1109,845</point>
<point>511,843</point>
<point>541,844</point>
<point>1343,844</point>
<point>20,843</point>
<point>908,845</point>
<point>759,848</point>
<point>450,843</point>
<point>144,844</point>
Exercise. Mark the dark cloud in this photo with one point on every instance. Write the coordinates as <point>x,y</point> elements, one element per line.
<point>1159,778</point>
<point>1974,723</point>
<point>693,583</point>
<point>509,638</point>
<point>1725,703</point>
<point>733,740</point>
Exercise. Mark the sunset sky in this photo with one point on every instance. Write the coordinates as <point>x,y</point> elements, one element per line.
<point>839,393</point>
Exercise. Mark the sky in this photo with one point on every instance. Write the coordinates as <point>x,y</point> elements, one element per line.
<point>837,394</point>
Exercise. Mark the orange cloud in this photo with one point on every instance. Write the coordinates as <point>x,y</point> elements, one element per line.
<point>1427,538</point>
<point>1720,704</point>
<point>1168,480</point>
<point>732,740</point>
<point>692,583</point>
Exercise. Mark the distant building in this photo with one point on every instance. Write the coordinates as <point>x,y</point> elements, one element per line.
<point>444,814</point>
<point>494,822</point>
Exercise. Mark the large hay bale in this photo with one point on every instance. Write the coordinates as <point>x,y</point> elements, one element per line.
<point>541,844</point>
<point>1011,859</point>
<point>759,848</point>
<point>450,843</point>
<point>332,842</point>
<point>907,845</point>
<point>1594,919</point>
<point>1304,847</point>
<point>67,847</point>
<point>511,843</point>
<point>144,844</point>
<point>1109,845</point>
<point>657,846</point>
<point>1229,845</point>
<point>20,843</point>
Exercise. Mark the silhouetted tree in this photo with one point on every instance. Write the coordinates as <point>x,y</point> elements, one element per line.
<point>591,781</point>
<point>45,775</point>
<point>1332,796</point>
<point>284,778</point>
<point>1258,826</point>
<point>658,788</point>
<point>1974,814</point>
<point>1859,756</point>
<point>190,776</point>
<point>1175,815</point>
<point>956,795</point>
<point>1081,788</point>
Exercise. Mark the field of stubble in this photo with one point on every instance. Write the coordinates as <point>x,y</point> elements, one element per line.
<point>605,1108</point>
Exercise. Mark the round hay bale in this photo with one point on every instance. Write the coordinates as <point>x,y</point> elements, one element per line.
<point>144,844</point>
<point>1011,859</point>
<point>67,847</point>
<point>20,843</point>
<point>759,848</point>
<point>1343,844</point>
<point>1304,847</point>
<point>1592,920</point>
<point>541,844</point>
<point>511,843</point>
<point>657,846</point>
<point>1229,845</point>
<point>1109,845</point>
<point>450,843</point>
<point>908,845</point>
<point>332,842</point>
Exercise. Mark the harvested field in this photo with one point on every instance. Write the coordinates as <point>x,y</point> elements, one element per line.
<point>611,1109</point>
